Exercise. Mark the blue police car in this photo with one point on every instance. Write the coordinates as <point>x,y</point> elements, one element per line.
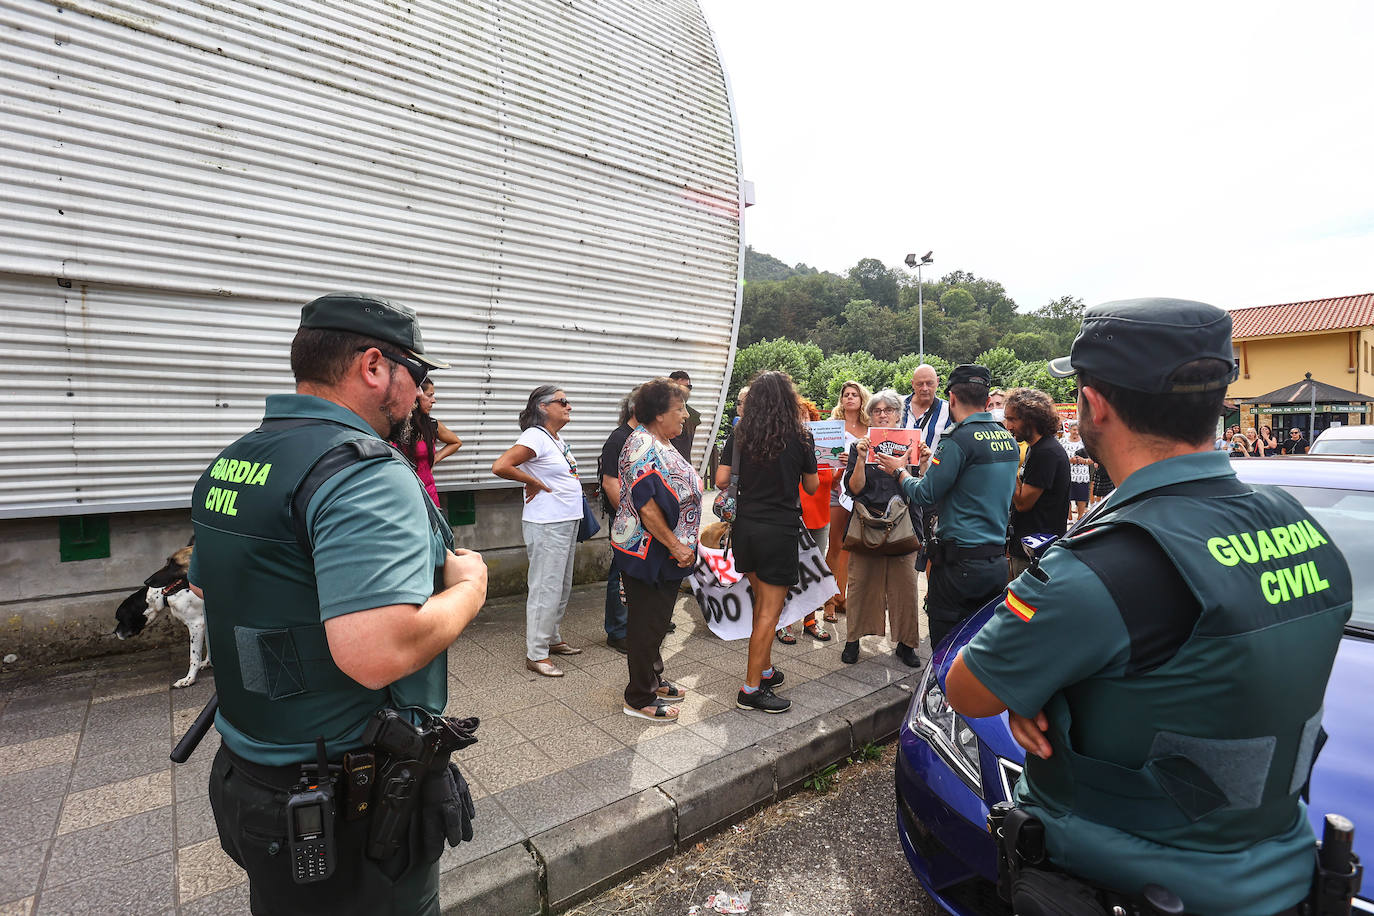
<point>951,769</point>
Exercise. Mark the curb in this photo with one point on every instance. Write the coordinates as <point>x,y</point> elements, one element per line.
<point>571,862</point>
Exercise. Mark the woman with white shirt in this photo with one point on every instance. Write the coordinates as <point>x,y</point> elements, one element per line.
<point>553,511</point>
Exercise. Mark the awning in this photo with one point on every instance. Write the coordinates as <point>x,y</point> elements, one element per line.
<point>1301,394</point>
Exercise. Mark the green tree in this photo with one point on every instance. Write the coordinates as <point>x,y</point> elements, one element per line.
<point>830,374</point>
<point>877,282</point>
<point>796,359</point>
<point>959,304</point>
<point>1037,375</point>
<point>1001,362</point>
<point>1030,345</point>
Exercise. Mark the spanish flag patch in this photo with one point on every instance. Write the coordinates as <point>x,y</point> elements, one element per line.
<point>1019,608</point>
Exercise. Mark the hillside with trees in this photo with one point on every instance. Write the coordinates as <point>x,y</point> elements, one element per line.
<point>823,328</point>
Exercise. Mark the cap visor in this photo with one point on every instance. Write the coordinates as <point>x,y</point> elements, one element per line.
<point>1061,367</point>
<point>430,361</point>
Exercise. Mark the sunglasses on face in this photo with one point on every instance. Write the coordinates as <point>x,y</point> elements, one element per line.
<point>563,401</point>
<point>418,370</point>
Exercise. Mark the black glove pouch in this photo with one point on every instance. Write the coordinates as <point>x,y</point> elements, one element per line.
<point>446,811</point>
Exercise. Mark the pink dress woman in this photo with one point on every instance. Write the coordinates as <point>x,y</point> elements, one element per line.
<point>424,466</point>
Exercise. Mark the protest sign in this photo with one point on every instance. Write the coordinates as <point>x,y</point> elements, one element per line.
<point>829,436</point>
<point>884,441</point>
<point>727,601</point>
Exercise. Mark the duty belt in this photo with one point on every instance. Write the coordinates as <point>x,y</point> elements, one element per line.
<point>943,553</point>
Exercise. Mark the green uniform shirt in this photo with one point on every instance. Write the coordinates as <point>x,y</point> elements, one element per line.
<point>972,477</point>
<point>373,547</point>
<point>1061,634</point>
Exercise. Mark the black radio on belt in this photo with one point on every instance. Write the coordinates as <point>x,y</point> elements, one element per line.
<point>310,823</point>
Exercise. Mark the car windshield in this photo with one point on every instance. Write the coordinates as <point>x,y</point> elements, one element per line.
<point>1343,447</point>
<point>1348,516</point>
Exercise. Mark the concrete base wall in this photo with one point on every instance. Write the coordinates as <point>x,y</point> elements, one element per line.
<point>56,611</point>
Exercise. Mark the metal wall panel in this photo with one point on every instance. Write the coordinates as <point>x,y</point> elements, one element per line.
<point>554,187</point>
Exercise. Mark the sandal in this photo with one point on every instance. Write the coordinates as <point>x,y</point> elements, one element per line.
<point>786,638</point>
<point>816,633</point>
<point>830,615</point>
<point>659,713</point>
<point>670,692</point>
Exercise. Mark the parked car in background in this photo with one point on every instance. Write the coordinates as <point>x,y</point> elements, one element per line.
<point>1344,440</point>
<point>950,769</point>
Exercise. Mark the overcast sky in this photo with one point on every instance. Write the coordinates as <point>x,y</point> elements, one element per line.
<point>1221,151</point>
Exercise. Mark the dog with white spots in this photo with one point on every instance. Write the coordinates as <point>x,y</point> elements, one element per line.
<point>167,589</point>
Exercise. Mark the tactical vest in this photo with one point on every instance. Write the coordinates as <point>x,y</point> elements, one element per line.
<point>1211,749</point>
<point>973,511</point>
<point>277,682</point>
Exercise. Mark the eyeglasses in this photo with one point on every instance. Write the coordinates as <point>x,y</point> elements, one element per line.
<point>418,370</point>
<point>563,401</point>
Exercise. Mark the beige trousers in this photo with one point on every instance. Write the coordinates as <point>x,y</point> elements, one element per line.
<point>879,585</point>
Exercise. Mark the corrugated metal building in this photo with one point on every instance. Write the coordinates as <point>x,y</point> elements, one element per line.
<point>553,186</point>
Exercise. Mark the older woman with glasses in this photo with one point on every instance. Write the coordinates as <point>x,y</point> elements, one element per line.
<point>542,461</point>
<point>880,585</point>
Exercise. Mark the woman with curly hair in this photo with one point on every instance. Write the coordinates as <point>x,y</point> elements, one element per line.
<point>775,455</point>
<point>852,408</point>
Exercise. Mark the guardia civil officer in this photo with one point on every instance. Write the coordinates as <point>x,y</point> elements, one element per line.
<point>1164,663</point>
<point>970,477</point>
<point>323,612</point>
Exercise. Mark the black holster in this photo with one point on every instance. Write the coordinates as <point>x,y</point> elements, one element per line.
<point>1034,887</point>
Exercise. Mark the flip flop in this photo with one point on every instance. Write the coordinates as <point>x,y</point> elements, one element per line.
<point>786,638</point>
<point>659,713</point>
<point>670,692</point>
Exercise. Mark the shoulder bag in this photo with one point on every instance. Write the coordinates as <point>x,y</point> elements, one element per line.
<point>890,533</point>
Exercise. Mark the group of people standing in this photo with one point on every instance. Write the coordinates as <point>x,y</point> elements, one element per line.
<point>1261,442</point>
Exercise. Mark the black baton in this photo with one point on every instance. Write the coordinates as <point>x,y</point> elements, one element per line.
<point>198,728</point>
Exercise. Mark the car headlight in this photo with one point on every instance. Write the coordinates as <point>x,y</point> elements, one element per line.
<point>946,731</point>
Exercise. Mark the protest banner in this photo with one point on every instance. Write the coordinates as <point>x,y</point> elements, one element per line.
<point>726,599</point>
<point>829,436</point>
<point>885,441</point>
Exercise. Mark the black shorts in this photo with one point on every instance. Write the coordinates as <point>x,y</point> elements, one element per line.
<point>1078,492</point>
<point>767,551</point>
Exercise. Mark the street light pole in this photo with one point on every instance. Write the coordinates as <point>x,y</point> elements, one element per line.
<point>918,263</point>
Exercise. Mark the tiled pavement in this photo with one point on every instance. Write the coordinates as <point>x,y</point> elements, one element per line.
<point>95,819</point>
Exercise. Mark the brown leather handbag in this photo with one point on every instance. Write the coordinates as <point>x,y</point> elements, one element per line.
<point>888,534</point>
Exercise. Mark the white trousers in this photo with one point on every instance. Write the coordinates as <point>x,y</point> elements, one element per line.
<point>551,547</point>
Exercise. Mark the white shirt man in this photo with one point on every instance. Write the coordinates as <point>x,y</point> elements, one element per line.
<point>923,410</point>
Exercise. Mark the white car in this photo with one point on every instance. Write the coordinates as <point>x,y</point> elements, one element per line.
<point>1344,440</point>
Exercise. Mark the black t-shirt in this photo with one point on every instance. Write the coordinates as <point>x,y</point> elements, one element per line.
<point>609,463</point>
<point>1296,446</point>
<point>768,493</point>
<point>1047,467</point>
<point>683,442</point>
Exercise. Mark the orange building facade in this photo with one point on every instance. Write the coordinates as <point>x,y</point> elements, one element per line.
<point>1276,345</point>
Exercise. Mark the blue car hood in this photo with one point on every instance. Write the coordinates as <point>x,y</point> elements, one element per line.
<point>1343,779</point>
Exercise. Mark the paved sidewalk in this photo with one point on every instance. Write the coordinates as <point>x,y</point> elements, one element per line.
<point>570,792</point>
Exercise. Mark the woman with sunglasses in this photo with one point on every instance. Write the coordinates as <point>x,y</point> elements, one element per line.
<point>542,461</point>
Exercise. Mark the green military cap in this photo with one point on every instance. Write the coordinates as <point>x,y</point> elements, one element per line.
<point>969,372</point>
<point>1140,343</point>
<point>370,316</point>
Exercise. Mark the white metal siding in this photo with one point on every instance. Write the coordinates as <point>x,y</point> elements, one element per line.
<point>552,185</point>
